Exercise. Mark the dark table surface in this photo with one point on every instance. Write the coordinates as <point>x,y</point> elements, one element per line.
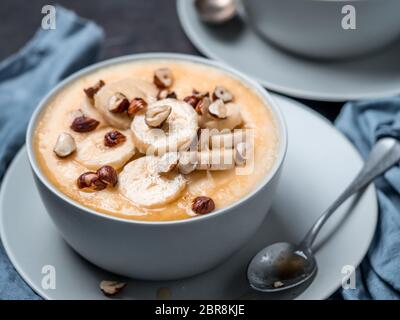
<point>131,26</point>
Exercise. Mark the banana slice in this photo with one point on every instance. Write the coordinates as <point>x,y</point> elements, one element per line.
<point>233,119</point>
<point>148,88</point>
<point>177,132</point>
<point>130,88</point>
<point>89,110</point>
<point>141,182</point>
<point>93,153</point>
<point>214,160</point>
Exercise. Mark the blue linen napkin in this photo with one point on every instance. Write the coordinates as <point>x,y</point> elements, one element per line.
<point>24,80</point>
<point>378,276</point>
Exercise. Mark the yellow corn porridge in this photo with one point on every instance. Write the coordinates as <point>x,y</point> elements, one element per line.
<point>140,195</point>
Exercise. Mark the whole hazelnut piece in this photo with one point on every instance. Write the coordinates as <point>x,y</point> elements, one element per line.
<point>108,175</point>
<point>203,205</point>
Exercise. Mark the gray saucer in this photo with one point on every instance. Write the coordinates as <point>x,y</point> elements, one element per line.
<point>317,168</point>
<point>368,77</point>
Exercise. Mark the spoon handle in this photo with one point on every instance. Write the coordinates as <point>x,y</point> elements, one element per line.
<point>384,155</point>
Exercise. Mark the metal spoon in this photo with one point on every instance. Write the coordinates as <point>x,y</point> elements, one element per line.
<point>283,265</point>
<point>216,11</point>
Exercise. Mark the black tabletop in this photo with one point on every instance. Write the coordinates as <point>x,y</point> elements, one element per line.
<point>131,26</point>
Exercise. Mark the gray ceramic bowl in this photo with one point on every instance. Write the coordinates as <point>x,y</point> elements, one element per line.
<point>158,250</point>
<point>313,28</point>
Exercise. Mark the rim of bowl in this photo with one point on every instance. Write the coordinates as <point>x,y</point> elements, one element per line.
<point>159,56</point>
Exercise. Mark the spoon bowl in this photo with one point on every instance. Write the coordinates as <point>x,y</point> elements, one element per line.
<point>215,11</point>
<point>280,266</point>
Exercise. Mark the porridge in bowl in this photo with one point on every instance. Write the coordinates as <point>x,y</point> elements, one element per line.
<point>156,140</point>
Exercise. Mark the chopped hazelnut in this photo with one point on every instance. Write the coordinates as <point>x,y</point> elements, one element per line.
<point>65,145</point>
<point>84,124</point>
<point>222,93</point>
<point>163,78</point>
<point>113,138</point>
<point>91,91</point>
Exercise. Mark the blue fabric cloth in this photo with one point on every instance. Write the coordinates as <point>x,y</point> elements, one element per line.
<point>378,276</point>
<point>24,79</point>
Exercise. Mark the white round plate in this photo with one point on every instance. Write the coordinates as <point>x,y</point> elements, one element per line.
<point>320,163</point>
<point>235,44</point>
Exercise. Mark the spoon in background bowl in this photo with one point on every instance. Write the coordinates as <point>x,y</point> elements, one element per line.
<point>283,265</point>
<point>216,11</point>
